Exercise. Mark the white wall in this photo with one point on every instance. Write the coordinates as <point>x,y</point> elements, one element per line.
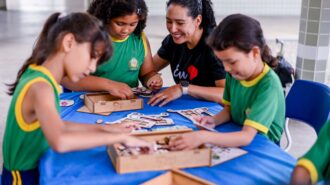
<point>251,7</point>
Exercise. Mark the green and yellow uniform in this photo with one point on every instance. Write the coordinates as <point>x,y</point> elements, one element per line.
<point>125,63</point>
<point>258,103</point>
<point>24,143</point>
<point>317,159</point>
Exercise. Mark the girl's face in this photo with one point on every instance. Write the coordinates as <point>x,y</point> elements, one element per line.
<point>181,26</point>
<point>121,27</point>
<point>241,65</point>
<point>80,61</point>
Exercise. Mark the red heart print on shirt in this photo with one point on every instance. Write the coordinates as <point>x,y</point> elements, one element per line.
<point>193,72</point>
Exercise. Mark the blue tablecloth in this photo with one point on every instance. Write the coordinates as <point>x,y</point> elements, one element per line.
<point>265,162</point>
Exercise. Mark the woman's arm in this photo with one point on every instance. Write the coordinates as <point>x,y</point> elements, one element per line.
<point>94,83</point>
<point>60,136</point>
<point>208,93</point>
<point>159,63</point>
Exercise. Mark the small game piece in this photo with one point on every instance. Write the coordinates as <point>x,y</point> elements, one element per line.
<point>82,96</point>
<point>99,121</point>
<point>66,103</point>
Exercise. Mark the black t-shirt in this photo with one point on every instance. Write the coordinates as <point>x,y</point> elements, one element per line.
<point>198,65</point>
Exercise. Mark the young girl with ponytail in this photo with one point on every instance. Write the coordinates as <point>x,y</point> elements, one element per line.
<point>253,95</point>
<point>69,46</point>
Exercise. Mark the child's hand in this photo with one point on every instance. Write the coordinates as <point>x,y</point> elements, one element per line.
<point>121,90</point>
<point>155,82</point>
<point>208,121</point>
<point>186,141</point>
<point>118,128</point>
<point>131,141</point>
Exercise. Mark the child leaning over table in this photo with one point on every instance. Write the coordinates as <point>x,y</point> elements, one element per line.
<point>314,166</point>
<point>253,96</point>
<point>125,21</point>
<point>68,46</point>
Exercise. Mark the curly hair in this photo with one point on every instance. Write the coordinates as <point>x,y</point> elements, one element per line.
<point>198,7</point>
<point>105,10</point>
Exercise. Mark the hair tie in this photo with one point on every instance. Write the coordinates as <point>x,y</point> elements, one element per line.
<point>138,11</point>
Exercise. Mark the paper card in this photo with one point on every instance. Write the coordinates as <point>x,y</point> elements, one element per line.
<point>222,154</point>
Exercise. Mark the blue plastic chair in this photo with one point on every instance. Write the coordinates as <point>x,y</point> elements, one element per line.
<point>309,102</point>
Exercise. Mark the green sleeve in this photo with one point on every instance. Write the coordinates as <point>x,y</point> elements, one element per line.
<point>264,108</point>
<point>226,93</point>
<point>317,159</point>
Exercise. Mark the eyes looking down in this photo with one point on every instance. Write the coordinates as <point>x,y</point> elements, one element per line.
<point>239,64</point>
<point>121,27</point>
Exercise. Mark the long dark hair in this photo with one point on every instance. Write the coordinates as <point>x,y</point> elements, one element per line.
<point>83,26</point>
<point>198,7</point>
<point>105,10</point>
<point>242,32</point>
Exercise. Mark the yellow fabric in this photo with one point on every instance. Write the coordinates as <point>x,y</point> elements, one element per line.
<point>257,79</point>
<point>225,102</point>
<point>14,177</point>
<point>46,72</point>
<point>18,107</point>
<point>118,40</point>
<point>19,179</point>
<point>145,45</point>
<point>310,167</point>
<point>257,126</point>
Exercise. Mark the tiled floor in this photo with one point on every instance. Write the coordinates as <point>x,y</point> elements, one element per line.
<point>18,31</point>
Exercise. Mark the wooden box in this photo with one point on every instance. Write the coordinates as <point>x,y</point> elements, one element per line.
<point>177,177</point>
<point>104,102</point>
<point>159,161</point>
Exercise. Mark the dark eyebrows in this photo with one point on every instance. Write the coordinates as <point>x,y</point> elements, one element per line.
<point>176,20</point>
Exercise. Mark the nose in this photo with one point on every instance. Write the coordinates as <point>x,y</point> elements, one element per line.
<point>92,66</point>
<point>227,67</point>
<point>172,28</point>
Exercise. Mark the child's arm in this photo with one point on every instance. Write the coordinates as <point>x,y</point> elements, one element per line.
<point>63,138</point>
<point>230,139</point>
<point>300,176</point>
<point>94,83</point>
<point>148,75</point>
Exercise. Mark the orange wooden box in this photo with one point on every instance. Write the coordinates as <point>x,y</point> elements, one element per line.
<point>177,177</point>
<point>159,161</point>
<point>104,102</point>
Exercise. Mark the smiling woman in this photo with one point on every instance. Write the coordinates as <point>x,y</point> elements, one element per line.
<point>192,62</point>
<point>131,60</point>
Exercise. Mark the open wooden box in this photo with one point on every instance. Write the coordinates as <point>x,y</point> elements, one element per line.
<point>177,177</point>
<point>104,102</point>
<point>159,161</point>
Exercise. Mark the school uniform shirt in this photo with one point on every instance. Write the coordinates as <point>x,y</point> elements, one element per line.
<point>24,143</point>
<point>317,159</point>
<point>258,103</point>
<point>126,60</point>
<point>199,65</point>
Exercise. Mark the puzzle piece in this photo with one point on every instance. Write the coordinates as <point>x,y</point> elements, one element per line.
<point>192,113</point>
<point>154,118</point>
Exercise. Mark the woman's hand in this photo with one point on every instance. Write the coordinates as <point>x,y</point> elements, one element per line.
<point>169,94</point>
<point>120,90</point>
<point>155,82</point>
<point>187,141</point>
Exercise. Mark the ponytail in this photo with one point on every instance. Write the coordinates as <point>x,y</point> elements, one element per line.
<point>83,26</point>
<point>242,32</point>
<point>38,54</point>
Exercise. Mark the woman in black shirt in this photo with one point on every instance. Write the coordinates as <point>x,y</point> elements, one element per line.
<point>195,69</point>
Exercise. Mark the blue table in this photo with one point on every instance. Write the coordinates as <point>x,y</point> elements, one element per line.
<point>265,162</point>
